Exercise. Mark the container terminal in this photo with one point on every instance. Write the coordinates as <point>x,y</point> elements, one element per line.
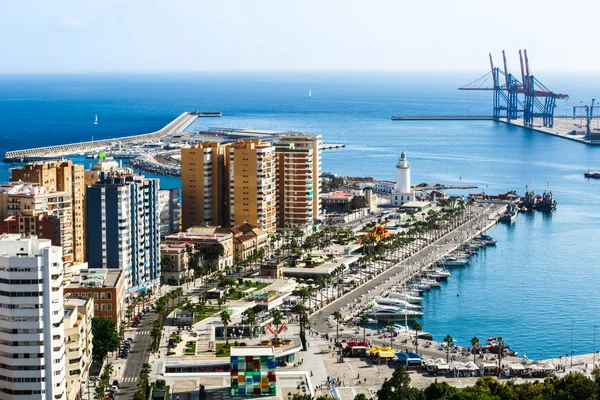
<point>526,102</point>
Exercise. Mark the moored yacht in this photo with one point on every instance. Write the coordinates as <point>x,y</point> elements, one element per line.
<point>388,301</point>
<point>391,313</point>
<point>405,296</point>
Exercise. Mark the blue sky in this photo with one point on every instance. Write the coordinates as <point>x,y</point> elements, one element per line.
<point>218,35</point>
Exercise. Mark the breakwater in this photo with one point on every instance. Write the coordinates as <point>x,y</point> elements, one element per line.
<point>174,127</point>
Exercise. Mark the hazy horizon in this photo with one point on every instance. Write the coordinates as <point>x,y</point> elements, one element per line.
<point>69,37</point>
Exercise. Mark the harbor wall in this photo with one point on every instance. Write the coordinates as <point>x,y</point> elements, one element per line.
<point>39,153</point>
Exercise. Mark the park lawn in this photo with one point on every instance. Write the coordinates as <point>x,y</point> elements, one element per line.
<point>223,350</point>
<point>209,311</point>
<point>190,349</point>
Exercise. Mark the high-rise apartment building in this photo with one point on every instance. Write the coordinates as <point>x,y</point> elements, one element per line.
<point>61,176</point>
<point>169,211</point>
<point>204,186</point>
<point>31,331</point>
<point>295,185</point>
<point>305,142</point>
<point>237,183</point>
<point>122,227</point>
<point>77,322</point>
<point>252,196</point>
<point>29,209</point>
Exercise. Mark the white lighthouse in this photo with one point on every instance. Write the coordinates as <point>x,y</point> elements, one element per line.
<point>403,193</point>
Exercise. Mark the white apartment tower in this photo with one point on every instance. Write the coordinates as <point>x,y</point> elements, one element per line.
<point>403,192</point>
<point>32,343</point>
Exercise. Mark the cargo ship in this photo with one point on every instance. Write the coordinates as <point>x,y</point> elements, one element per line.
<point>547,203</point>
<point>592,174</point>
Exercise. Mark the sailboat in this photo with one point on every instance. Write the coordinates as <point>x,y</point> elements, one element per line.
<point>96,120</point>
<point>309,93</point>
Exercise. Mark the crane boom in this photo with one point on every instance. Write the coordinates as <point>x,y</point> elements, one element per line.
<point>493,74</point>
<point>522,71</point>
<point>505,70</point>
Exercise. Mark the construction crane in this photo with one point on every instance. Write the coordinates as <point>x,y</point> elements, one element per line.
<point>512,97</point>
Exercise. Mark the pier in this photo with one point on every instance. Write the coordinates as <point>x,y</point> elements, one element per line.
<point>482,218</point>
<point>176,126</point>
<point>443,118</point>
<point>564,127</point>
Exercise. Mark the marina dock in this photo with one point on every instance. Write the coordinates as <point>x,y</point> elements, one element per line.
<point>176,126</point>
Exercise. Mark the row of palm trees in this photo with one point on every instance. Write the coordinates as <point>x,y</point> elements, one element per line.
<point>104,381</point>
<point>163,309</point>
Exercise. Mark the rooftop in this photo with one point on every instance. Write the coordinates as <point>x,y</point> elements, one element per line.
<point>252,351</point>
<point>95,278</point>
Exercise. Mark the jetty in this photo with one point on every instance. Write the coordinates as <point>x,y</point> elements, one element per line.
<point>443,118</point>
<point>174,127</point>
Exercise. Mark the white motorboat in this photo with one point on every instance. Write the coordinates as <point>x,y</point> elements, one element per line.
<point>388,301</point>
<point>453,262</point>
<point>405,296</point>
<point>370,320</point>
<point>439,273</point>
<point>486,240</point>
<point>391,313</point>
<point>422,285</point>
<point>430,282</point>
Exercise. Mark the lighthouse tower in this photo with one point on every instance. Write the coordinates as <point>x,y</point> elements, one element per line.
<point>402,193</point>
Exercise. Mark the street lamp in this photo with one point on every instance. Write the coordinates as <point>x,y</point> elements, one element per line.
<point>594,362</point>
<point>572,325</point>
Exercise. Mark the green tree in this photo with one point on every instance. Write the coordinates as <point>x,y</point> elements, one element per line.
<point>417,328</point>
<point>225,320</point>
<point>360,396</point>
<point>105,337</point>
<point>337,316</point>
<point>251,318</point>
<point>440,391</point>
<point>475,345</point>
<point>364,322</point>
<point>398,387</point>
<point>449,340</point>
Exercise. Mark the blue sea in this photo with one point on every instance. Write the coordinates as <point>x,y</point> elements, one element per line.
<point>540,280</point>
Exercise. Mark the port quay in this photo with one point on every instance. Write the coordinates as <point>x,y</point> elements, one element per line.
<point>175,128</point>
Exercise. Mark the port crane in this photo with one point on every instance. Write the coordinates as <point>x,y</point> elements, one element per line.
<point>513,97</point>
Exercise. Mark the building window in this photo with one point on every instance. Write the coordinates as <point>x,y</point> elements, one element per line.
<point>102,296</point>
<point>108,296</point>
<point>102,307</point>
<point>96,307</point>
<point>109,307</point>
<point>96,296</point>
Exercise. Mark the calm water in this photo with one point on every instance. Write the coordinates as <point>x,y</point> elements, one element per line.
<point>541,276</point>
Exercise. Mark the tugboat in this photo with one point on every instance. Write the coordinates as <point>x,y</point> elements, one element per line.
<point>530,200</point>
<point>510,215</point>
<point>547,203</point>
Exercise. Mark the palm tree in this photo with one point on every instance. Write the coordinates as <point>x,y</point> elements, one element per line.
<point>475,345</point>
<point>251,317</point>
<point>500,353</point>
<point>449,340</point>
<point>390,325</point>
<point>337,316</point>
<point>277,317</point>
<point>364,321</point>
<point>417,327</point>
<point>225,320</point>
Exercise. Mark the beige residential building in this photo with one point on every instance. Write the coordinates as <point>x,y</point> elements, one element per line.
<point>61,176</point>
<point>247,239</point>
<point>295,187</point>
<point>77,322</point>
<point>174,264</point>
<point>252,187</point>
<point>29,209</point>
<point>207,239</point>
<point>203,185</point>
<point>314,143</point>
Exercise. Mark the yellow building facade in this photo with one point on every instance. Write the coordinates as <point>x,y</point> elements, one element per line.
<point>61,176</point>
